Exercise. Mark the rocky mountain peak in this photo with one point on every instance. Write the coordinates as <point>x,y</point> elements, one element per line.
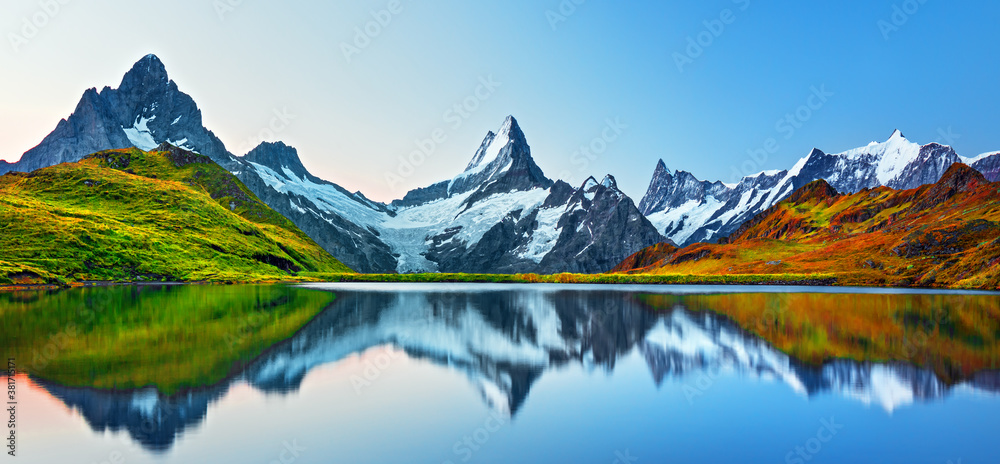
<point>815,190</point>
<point>148,73</point>
<point>610,182</point>
<point>502,162</point>
<point>494,143</point>
<point>660,186</point>
<point>277,156</point>
<point>959,178</point>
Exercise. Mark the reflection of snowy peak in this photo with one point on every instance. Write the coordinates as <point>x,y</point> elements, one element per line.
<point>687,210</point>
<point>685,342</point>
<point>503,342</point>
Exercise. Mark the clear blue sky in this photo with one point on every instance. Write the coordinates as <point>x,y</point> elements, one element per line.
<point>932,70</point>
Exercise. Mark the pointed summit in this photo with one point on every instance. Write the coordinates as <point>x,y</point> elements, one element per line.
<point>149,71</point>
<point>610,182</point>
<point>897,134</point>
<point>659,186</point>
<point>493,143</point>
<point>661,173</point>
<point>503,157</point>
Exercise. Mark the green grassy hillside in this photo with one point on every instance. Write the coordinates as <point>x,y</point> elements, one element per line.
<point>130,215</point>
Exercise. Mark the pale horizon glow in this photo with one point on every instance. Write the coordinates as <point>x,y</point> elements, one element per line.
<point>562,74</point>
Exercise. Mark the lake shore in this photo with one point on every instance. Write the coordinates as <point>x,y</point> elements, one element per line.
<point>806,280</point>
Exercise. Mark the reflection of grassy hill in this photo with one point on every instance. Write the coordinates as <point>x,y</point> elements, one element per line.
<point>940,235</point>
<point>173,337</point>
<point>129,215</point>
<point>954,335</point>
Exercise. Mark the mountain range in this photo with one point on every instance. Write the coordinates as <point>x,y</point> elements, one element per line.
<point>943,234</point>
<point>688,210</point>
<point>500,215</point>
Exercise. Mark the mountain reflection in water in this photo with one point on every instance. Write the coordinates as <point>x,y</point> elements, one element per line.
<point>504,341</point>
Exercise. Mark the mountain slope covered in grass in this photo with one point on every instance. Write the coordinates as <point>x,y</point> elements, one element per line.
<point>130,215</point>
<point>945,234</point>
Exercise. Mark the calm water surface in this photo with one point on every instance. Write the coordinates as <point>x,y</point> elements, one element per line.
<point>526,374</point>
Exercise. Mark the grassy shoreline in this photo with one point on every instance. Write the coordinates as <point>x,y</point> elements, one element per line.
<point>827,280</point>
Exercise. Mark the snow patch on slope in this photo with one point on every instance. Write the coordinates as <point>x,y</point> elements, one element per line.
<point>324,196</point>
<point>682,222</point>
<point>545,236</point>
<point>140,135</point>
<point>413,226</point>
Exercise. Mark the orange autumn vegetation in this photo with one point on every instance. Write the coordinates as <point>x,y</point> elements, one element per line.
<point>943,235</point>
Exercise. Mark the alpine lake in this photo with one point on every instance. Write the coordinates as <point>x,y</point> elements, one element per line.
<point>503,373</point>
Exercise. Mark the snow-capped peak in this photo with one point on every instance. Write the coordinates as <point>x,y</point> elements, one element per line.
<point>609,182</point>
<point>969,161</point>
<point>589,184</point>
<point>815,152</point>
<point>492,144</point>
<point>891,156</point>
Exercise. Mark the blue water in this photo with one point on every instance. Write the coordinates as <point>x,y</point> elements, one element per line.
<point>502,374</point>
